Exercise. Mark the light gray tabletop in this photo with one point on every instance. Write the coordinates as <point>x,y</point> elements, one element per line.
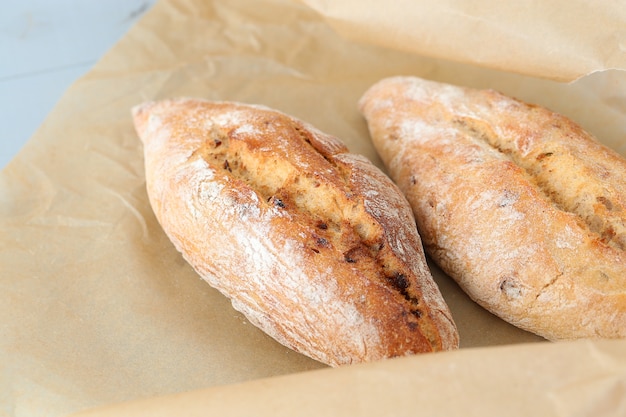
<point>44,47</point>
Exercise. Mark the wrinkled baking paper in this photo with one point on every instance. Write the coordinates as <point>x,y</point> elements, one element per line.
<point>97,306</point>
<point>535,381</point>
<point>554,39</point>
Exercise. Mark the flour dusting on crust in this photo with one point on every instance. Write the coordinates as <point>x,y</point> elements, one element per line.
<point>314,245</point>
<point>513,201</point>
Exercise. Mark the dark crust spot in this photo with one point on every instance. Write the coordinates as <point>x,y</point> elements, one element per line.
<point>227,166</point>
<point>544,155</point>
<point>620,241</point>
<point>412,317</point>
<point>509,287</point>
<point>508,198</point>
<point>352,255</point>
<point>605,202</point>
<point>401,283</point>
<point>277,202</point>
<point>322,242</point>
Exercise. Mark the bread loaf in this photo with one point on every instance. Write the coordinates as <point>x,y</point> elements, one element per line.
<point>524,209</point>
<point>313,244</point>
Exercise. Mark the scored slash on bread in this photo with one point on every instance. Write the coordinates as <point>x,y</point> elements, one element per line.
<point>521,206</point>
<point>313,244</point>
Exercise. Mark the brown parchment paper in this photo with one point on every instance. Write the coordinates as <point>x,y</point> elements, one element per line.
<point>554,39</point>
<point>97,306</point>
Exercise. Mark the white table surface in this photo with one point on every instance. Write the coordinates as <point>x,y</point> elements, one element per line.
<point>45,45</point>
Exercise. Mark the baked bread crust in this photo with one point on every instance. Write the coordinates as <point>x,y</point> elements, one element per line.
<point>314,245</point>
<point>524,209</point>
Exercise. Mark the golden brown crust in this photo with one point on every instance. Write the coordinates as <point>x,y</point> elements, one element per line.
<point>313,244</point>
<point>518,204</point>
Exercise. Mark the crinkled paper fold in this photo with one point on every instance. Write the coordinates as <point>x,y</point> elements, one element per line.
<point>99,309</point>
<point>554,39</point>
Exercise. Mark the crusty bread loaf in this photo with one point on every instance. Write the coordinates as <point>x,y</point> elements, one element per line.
<point>524,209</point>
<point>315,245</point>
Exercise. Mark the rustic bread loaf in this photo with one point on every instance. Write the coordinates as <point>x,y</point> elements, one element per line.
<point>524,209</point>
<point>315,245</point>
